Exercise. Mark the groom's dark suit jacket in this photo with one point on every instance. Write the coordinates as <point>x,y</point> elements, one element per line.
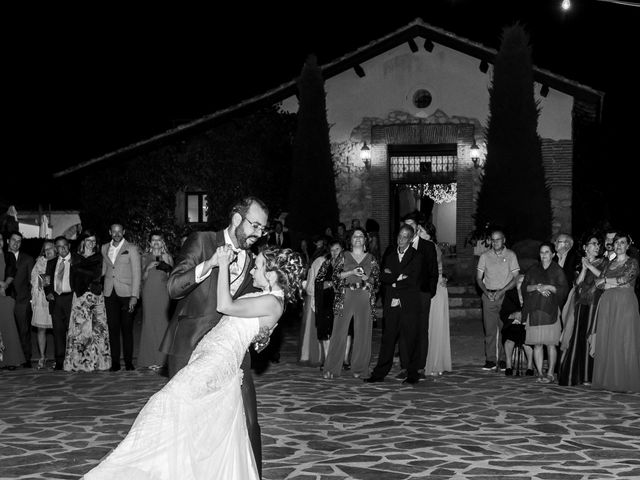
<point>196,311</point>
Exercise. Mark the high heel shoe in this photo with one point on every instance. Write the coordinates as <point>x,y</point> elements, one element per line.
<point>327,375</point>
<point>41,363</point>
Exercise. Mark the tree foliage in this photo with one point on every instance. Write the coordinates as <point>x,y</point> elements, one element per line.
<point>250,155</point>
<point>513,193</point>
<point>312,202</point>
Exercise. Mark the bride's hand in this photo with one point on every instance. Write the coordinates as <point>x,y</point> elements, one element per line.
<point>225,255</point>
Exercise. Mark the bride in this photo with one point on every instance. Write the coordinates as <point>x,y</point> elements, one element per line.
<point>194,428</point>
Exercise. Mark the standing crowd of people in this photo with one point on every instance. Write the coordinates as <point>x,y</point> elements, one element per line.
<point>573,315</point>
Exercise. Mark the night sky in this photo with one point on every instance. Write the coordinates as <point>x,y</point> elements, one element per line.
<point>84,81</point>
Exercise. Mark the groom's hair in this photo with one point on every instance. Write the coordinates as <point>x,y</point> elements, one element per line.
<point>243,206</point>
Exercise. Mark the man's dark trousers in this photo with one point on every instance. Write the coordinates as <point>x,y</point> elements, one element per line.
<point>120,321</point>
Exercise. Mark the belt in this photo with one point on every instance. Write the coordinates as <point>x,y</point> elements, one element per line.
<point>357,286</point>
<point>64,294</point>
<point>492,291</point>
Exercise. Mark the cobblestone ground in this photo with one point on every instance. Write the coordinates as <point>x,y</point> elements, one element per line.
<point>464,424</point>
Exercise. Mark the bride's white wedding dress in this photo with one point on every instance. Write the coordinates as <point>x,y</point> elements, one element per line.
<point>194,428</point>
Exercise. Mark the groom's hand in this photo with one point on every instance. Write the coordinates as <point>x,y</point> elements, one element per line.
<point>210,264</point>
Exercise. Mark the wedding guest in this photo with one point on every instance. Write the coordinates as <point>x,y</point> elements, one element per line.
<point>341,233</point>
<point>356,279</point>
<point>157,264</point>
<point>576,365</point>
<point>309,345</point>
<point>59,292</point>
<point>41,318</point>
<point>88,335</point>
<point>567,257</point>
<point>544,289</point>
<point>439,352</point>
<point>20,290</point>
<point>617,330</point>
<point>122,274</point>
<point>514,332</point>
<point>13,355</point>
<point>324,297</point>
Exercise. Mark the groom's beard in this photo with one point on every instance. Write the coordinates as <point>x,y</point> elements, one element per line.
<point>244,241</point>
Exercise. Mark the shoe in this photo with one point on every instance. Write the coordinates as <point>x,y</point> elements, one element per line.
<point>422,376</point>
<point>529,372</point>
<point>129,366</point>
<point>356,375</point>
<point>26,364</point>
<point>11,368</point>
<point>346,366</point>
<point>402,375</point>
<point>508,372</point>
<point>41,363</point>
<point>373,379</point>
<point>115,368</point>
<point>57,366</point>
<point>411,380</point>
<point>327,375</point>
<point>489,365</point>
<point>503,365</point>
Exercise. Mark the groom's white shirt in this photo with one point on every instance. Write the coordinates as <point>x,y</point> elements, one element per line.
<point>241,259</point>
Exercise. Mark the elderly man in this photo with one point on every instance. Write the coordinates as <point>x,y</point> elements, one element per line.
<point>497,272</point>
<point>566,256</point>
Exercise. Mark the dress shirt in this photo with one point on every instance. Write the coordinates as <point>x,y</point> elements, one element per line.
<point>113,250</point>
<point>66,286</point>
<point>241,257</point>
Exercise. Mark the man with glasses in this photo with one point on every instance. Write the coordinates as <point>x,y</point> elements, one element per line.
<point>193,283</point>
<point>59,291</point>
<point>497,272</point>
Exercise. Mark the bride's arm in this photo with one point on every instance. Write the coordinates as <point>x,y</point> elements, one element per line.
<point>262,306</point>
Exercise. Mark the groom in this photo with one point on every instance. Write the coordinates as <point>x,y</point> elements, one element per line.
<point>193,282</point>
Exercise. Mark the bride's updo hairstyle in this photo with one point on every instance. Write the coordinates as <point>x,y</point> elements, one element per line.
<point>289,269</point>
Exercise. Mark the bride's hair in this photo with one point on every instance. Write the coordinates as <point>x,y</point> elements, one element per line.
<point>289,269</point>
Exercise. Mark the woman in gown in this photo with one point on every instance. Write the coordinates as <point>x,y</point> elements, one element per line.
<point>309,346</point>
<point>195,428</point>
<point>576,365</point>
<point>13,355</point>
<point>617,330</point>
<point>544,289</point>
<point>88,336</point>
<point>156,266</point>
<point>41,317</point>
<point>439,353</point>
<point>356,278</point>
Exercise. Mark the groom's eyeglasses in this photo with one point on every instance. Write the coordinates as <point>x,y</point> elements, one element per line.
<point>257,226</point>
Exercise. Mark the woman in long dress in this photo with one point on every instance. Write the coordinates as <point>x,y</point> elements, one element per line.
<point>195,428</point>
<point>576,365</point>
<point>88,335</point>
<point>156,266</point>
<point>439,353</point>
<point>324,296</point>
<point>41,317</point>
<point>309,345</point>
<point>13,355</point>
<point>617,331</point>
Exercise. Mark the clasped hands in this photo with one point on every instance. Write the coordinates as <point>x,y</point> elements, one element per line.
<point>223,256</point>
<point>543,290</point>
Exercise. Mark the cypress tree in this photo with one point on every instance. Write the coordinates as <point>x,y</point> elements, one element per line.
<point>312,201</point>
<point>513,193</point>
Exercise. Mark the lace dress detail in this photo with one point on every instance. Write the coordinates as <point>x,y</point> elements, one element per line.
<point>194,427</point>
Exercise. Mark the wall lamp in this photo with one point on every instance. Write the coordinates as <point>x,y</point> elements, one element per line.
<point>475,155</point>
<point>365,156</point>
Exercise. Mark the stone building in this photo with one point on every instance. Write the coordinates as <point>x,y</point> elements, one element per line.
<point>418,99</point>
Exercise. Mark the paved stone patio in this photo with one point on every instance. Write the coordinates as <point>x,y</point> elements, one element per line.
<point>466,424</point>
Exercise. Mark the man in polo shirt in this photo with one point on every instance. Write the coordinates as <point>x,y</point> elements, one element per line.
<point>497,272</point>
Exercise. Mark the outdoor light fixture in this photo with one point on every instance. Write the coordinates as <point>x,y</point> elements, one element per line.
<point>475,155</point>
<point>428,45</point>
<point>365,156</point>
<point>566,5</point>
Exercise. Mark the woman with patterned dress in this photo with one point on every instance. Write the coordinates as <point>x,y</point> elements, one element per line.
<point>88,336</point>
<point>12,355</point>
<point>324,298</point>
<point>439,352</point>
<point>156,267</point>
<point>544,289</point>
<point>617,330</point>
<point>41,317</point>
<point>356,279</point>
<point>195,428</point>
<point>576,365</point>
